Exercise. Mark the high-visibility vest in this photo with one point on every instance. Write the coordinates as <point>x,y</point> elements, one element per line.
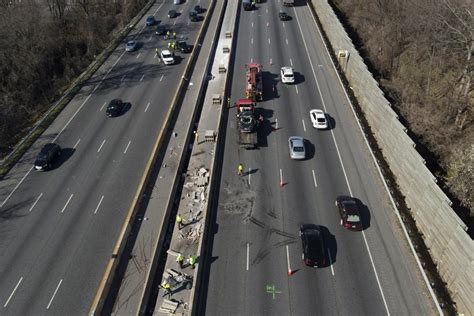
<point>179,219</point>
<point>179,258</point>
<point>192,260</point>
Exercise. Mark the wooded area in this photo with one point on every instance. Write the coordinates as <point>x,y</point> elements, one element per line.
<point>421,52</point>
<point>44,46</point>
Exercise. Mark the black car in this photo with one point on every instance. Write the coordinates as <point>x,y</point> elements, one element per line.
<point>283,16</point>
<point>183,47</point>
<point>115,108</point>
<point>313,245</point>
<point>193,16</point>
<point>349,212</point>
<point>46,156</point>
<point>198,8</point>
<point>172,14</point>
<point>160,30</point>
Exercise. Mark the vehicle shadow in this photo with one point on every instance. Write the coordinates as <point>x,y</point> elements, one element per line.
<point>266,127</point>
<point>331,246</point>
<point>66,153</point>
<point>331,122</point>
<point>364,214</point>
<point>270,82</point>
<point>310,150</point>
<point>299,77</point>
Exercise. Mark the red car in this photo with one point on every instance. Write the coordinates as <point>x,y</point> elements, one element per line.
<point>349,212</point>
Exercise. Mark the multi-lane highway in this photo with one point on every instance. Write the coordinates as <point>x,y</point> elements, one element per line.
<point>58,227</point>
<point>256,237</point>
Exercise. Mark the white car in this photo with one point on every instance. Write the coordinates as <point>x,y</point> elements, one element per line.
<point>167,57</point>
<point>287,75</point>
<point>318,118</point>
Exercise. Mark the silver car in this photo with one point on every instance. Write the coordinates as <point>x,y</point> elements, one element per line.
<point>296,145</point>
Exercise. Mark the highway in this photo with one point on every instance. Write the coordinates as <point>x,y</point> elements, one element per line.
<point>255,241</point>
<point>58,228</point>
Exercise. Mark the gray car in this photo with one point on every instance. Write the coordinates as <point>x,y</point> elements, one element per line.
<point>296,145</point>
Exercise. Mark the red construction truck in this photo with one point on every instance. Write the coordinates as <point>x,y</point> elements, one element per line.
<point>254,84</point>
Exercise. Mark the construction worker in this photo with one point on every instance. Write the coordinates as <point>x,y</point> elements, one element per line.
<point>173,45</point>
<point>174,35</point>
<point>179,221</point>
<point>166,287</point>
<point>169,45</point>
<point>167,34</point>
<point>240,169</point>
<point>180,260</point>
<point>192,261</point>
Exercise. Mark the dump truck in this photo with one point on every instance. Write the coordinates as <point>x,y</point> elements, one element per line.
<point>254,84</point>
<point>247,124</point>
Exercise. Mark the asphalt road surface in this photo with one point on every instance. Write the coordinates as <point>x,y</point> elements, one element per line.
<point>256,237</point>
<point>58,228</point>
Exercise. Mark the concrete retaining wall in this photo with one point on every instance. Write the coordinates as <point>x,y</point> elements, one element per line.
<point>444,233</point>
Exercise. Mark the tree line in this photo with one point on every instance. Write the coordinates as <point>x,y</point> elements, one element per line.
<point>44,46</point>
<point>421,52</point>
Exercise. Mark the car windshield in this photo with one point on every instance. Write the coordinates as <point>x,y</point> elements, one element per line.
<point>289,75</point>
<point>130,44</point>
<point>298,149</point>
<point>165,55</point>
<point>321,120</point>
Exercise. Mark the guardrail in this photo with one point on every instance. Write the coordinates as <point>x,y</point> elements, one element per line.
<point>443,231</point>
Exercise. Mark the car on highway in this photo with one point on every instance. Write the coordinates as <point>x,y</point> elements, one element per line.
<point>115,108</point>
<point>172,14</point>
<point>183,47</point>
<point>198,8</point>
<point>131,46</point>
<point>167,57</point>
<point>45,158</point>
<point>283,16</point>
<point>349,212</point>
<point>177,1</point>
<point>287,75</point>
<point>296,146</point>
<point>150,20</point>
<point>318,118</point>
<point>312,240</point>
<point>193,16</point>
<point>161,30</point>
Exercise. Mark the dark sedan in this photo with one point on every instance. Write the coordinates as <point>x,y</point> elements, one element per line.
<point>313,245</point>
<point>283,16</point>
<point>349,212</point>
<point>46,156</point>
<point>115,108</point>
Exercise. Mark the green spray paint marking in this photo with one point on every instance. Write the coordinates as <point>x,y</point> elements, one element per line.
<point>271,289</point>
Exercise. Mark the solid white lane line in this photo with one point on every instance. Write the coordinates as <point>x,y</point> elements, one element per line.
<point>288,259</point>
<point>161,78</point>
<point>15,188</point>
<point>159,7</point>
<point>314,178</point>
<point>138,55</point>
<point>54,294</point>
<point>36,201</point>
<point>126,148</point>
<point>143,76</point>
<point>291,62</point>
<point>65,205</point>
<point>102,107</point>
<point>146,109</point>
<point>296,87</point>
<point>103,142</point>
<point>304,126</point>
<point>98,205</point>
<point>77,143</point>
<point>249,174</point>
<point>330,262</point>
<point>248,251</point>
<point>286,41</point>
<point>342,164</point>
<point>13,292</point>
